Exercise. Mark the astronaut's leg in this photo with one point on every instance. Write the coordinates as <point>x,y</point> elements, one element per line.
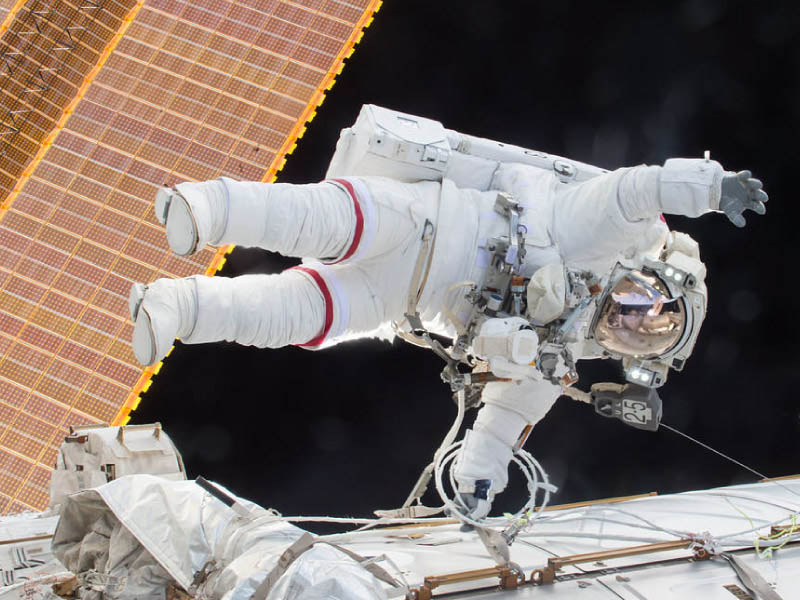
<point>312,305</point>
<point>509,411</point>
<point>258,310</point>
<point>314,220</point>
<point>330,221</point>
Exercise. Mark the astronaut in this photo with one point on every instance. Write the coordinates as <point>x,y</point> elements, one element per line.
<point>382,256</point>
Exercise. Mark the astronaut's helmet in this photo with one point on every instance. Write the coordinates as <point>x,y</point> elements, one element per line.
<point>638,318</point>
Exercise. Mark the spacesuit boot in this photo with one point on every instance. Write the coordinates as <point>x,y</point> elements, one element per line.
<point>194,214</point>
<point>161,311</point>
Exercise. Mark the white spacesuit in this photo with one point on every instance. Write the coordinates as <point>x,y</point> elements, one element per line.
<point>375,249</point>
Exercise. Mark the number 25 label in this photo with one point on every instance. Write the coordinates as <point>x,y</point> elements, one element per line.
<point>634,411</point>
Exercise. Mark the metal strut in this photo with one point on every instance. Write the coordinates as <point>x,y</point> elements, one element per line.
<point>510,579</point>
<point>547,575</point>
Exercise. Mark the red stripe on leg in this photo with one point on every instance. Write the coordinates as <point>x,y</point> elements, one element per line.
<point>359,219</point>
<point>326,294</point>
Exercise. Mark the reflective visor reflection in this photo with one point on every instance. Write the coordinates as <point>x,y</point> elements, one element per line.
<point>639,319</point>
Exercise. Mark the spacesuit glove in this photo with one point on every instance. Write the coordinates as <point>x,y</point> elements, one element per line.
<point>476,505</point>
<point>741,192</point>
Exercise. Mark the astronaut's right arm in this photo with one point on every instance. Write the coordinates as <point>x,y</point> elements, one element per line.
<point>482,468</point>
<point>509,413</point>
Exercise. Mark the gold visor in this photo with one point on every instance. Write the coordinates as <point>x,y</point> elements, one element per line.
<point>639,319</point>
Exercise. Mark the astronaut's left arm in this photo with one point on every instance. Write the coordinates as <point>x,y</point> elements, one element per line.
<point>600,217</point>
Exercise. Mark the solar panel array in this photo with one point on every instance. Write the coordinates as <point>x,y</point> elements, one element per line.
<point>5,7</point>
<point>102,103</point>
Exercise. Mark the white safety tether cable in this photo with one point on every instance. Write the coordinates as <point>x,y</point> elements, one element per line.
<point>443,458</point>
<point>535,476</point>
<point>425,476</point>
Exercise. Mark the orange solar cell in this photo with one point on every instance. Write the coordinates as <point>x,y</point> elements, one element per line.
<point>101,103</point>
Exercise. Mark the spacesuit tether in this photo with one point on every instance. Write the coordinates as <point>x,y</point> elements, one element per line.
<point>527,261</point>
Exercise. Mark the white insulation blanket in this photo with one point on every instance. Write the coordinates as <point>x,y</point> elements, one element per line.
<point>134,536</point>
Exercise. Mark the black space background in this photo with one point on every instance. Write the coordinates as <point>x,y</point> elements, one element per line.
<point>347,430</point>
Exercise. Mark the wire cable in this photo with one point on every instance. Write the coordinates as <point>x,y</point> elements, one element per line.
<point>535,476</point>
<point>725,456</point>
<point>424,478</point>
<point>707,447</point>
